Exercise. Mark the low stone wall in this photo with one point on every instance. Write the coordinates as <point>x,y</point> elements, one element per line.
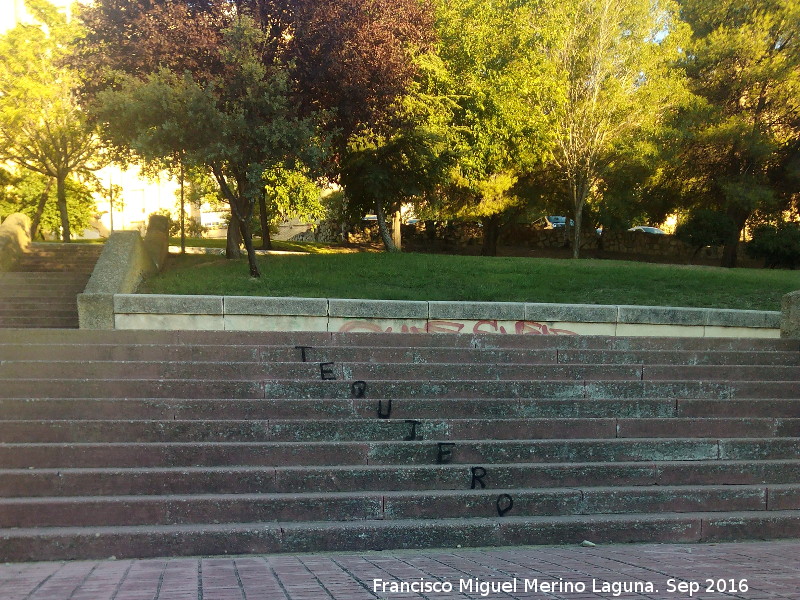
<point>15,236</point>
<point>125,261</point>
<point>140,311</point>
<point>618,242</point>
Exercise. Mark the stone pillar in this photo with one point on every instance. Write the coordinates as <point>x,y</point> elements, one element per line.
<point>790,315</point>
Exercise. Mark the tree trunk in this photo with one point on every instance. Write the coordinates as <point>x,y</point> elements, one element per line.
<point>397,236</point>
<point>266,241</point>
<point>430,230</point>
<point>183,210</point>
<point>576,245</point>
<point>248,244</point>
<point>731,248</point>
<point>386,236</point>
<point>37,217</point>
<point>232,247</point>
<point>579,190</point>
<point>729,253</point>
<point>491,233</point>
<point>61,198</point>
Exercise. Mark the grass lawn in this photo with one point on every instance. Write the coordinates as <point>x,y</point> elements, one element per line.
<point>445,277</point>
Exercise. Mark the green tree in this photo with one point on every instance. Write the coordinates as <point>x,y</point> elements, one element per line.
<point>42,126</point>
<point>34,194</point>
<point>482,82</point>
<point>289,192</point>
<point>381,174</point>
<point>743,63</point>
<point>613,82</point>
<point>777,246</point>
<point>703,227</point>
<point>349,58</point>
<point>239,125</point>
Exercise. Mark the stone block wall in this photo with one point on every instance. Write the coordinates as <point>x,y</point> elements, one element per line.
<point>252,313</point>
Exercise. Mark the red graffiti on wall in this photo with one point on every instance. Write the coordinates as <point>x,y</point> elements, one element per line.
<point>484,326</point>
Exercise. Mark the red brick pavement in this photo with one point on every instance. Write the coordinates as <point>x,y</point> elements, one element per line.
<point>756,571</point>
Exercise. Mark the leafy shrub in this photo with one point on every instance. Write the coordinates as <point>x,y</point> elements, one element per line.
<point>705,227</point>
<point>777,246</point>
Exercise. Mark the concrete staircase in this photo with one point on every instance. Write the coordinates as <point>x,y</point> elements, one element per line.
<point>43,288</point>
<point>138,444</point>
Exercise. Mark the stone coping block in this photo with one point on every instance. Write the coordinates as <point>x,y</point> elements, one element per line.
<point>378,309</point>
<point>661,315</point>
<point>163,304</point>
<point>288,306</point>
<point>743,318</point>
<point>772,319</point>
<point>500,311</point>
<point>15,236</point>
<point>577,313</point>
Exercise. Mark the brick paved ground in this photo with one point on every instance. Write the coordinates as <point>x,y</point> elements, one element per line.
<point>771,570</point>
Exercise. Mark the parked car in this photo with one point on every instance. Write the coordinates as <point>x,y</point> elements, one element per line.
<point>556,222</point>
<point>644,229</point>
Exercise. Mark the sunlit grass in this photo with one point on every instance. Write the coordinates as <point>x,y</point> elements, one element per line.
<point>443,277</point>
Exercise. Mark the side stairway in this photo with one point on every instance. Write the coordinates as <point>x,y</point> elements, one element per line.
<point>42,290</point>
<point>140,444</point>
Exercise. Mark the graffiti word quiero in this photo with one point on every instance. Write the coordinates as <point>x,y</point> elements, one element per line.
<point>485,326</point>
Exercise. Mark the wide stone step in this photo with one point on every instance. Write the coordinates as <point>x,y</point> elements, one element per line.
<point>399,340</point>
<point>271,354</point>
<point>42,302</point>
<point>26,292</point>
<point>42,322</point>
<point>288,353</point>
<point>323,390</point>
<point>92,511</point>
<point>289,480</point>
<point>13,277</point>
<point>90,431</point>
<point>11,369</point>
<point>24,455</point>
<point>10,292</point>
<point>292,389</point>
<point>252,538</point>
<point>786,408</point>
<point>45,266</point>
<point>70,369</point>
<point>61,310</point>
<point>361,408</point>
<point>681,357</point>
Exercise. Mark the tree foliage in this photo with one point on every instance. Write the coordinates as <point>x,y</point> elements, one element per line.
<point>42,126</point>
<point>381,174</point>
<point>743,64</point>
<point>479,84</point>
<point>703,227</point>
<point>611,64</point>
<point>350,57</point>
<point>34,194</point>
<point>777,246</point>
<point>471,109</point>
<point>239,126</point>
<point>257,101</point>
